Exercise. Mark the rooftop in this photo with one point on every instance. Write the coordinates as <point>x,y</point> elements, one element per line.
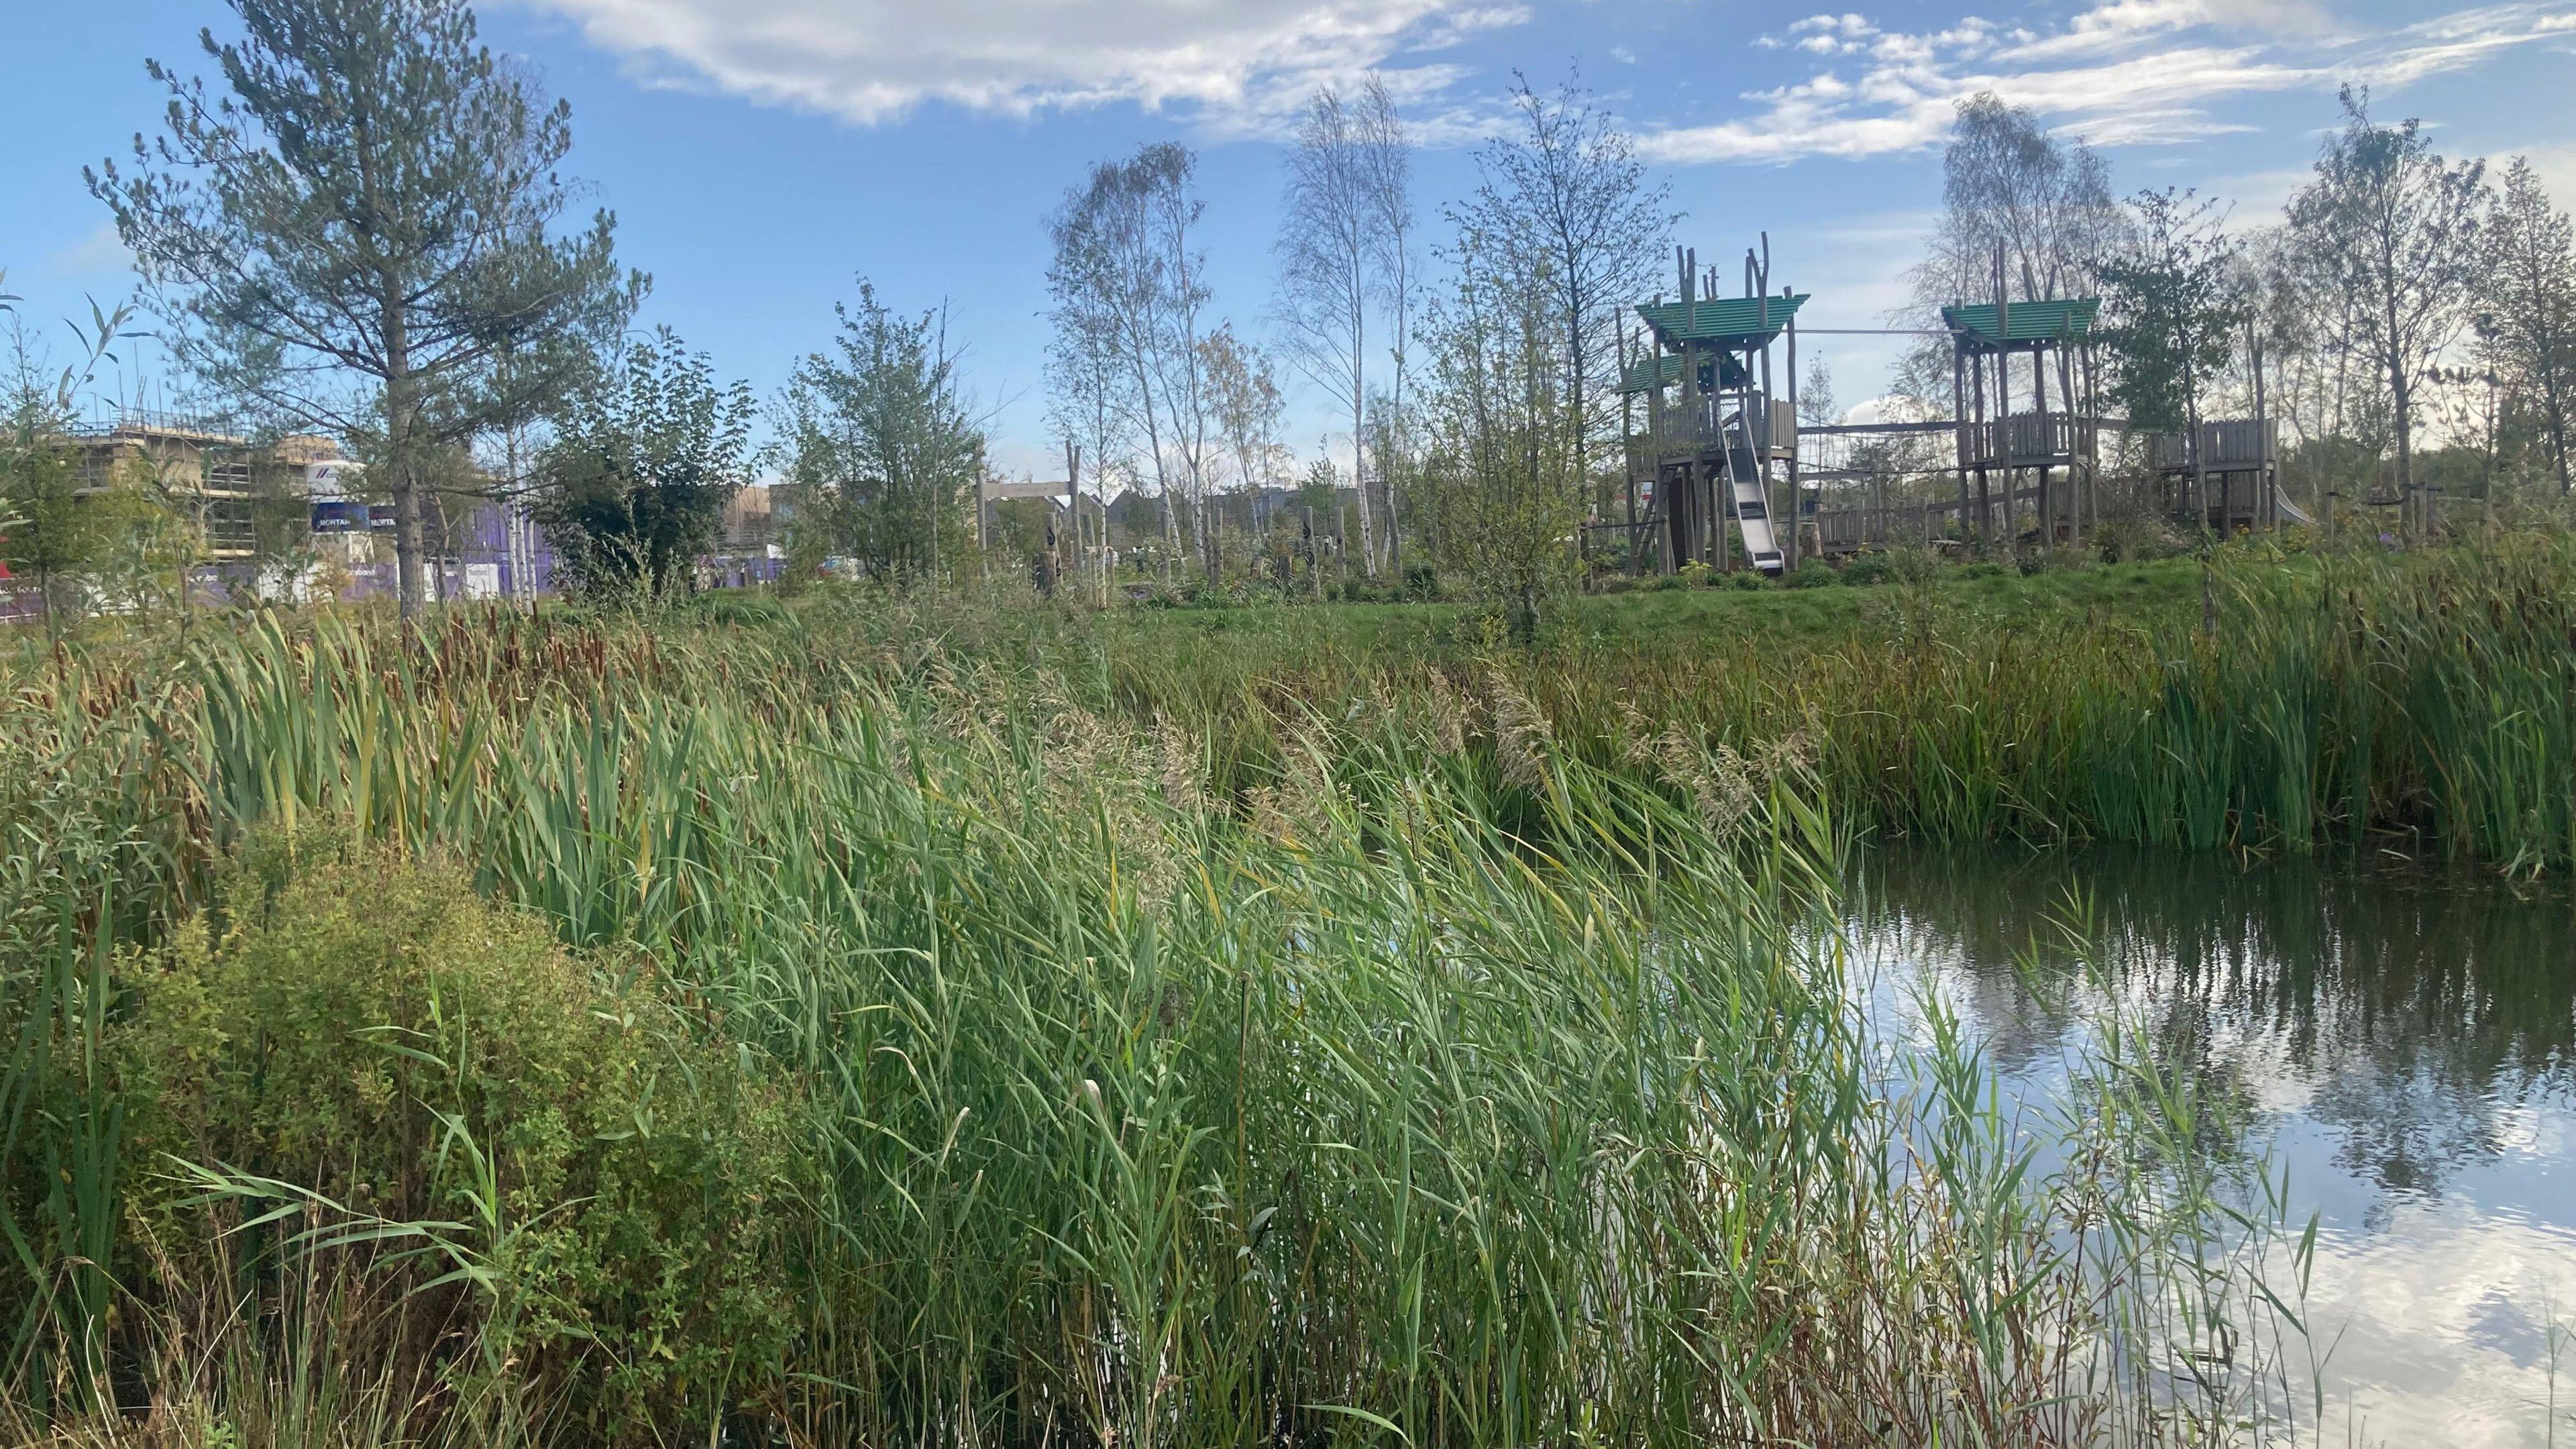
<point>2048,320</point>
<point>1727,321</point>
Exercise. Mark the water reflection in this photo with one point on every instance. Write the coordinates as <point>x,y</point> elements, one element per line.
<point>2403,1039</point>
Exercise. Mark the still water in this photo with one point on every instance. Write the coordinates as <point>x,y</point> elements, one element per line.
<point>2402,1040</point>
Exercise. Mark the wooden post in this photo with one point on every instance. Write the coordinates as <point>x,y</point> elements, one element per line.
<point>1797,497</point>
<point>1983,440</point>
<point>2270,503</point>
<point>2047,443</point>
<point>1958,411</point>
<point>2003,387</point>
<point>1628,443</point>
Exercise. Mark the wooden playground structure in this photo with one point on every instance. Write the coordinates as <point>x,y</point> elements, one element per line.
<point>1722,475</point>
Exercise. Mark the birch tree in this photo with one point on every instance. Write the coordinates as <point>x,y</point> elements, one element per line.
<point>2530,331</point>
<point>1387,170</point>
<point>2009,183</point>
<point>359,225</point>
<point>2394,231</point>
<point>1327,255</point>
<point>1128,288</point>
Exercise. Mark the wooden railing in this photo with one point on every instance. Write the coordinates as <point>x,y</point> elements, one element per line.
<point>2230,445</point>
<point>2028,439</point>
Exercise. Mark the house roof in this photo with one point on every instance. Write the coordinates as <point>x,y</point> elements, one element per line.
<point>1728,321</point>
<point>2042,321</point>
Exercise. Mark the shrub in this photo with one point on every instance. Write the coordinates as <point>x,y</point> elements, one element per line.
<point>1812,573</point>
<point>363,1038</point>
<point>1748,579</point>
<point>1868,567</point>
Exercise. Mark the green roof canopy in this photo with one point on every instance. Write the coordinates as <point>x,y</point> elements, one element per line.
<point>1661,370</point>
<point>2047,321</point>
<point>1665,369</point>
<point>1728,321</point>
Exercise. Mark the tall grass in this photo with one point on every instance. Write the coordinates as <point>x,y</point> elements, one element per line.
<point>1452,1061</point>
<point>2428,698</point>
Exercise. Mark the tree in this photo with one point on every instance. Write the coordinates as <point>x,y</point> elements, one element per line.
<point>2007,183</point>
<point>50,532</point>
<point>1342,252</point>
<point>1565,199</point>
<point>1816,406</point>
<point>1128,288</point>
<point>2393,231</point>
<point>2529,334</point>
<point>1504,463</point>
<point>644,458</point>
<point>47,534</point>
<point>1247,405</point>
<point>1387,162</point>
<point>2176,305</point>
<point>358,231</point>
<point>883,447</point>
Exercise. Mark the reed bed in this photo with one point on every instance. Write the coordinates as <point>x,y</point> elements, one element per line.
<point>1452,1058</point>
<point>2427,701</point>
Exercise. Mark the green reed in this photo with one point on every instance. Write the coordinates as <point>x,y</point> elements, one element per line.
<point>1450,1057</point>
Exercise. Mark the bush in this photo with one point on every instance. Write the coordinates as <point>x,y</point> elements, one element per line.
<point>362,1036</point>
<point>1868,567</point>
<point>1748,578</point>
<point>1669,583</point>
<point>1982,569</point>
<point>1812,573</point>
<point>740,606</point>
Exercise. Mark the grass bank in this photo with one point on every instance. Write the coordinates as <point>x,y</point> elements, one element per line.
<point>916,1027</point>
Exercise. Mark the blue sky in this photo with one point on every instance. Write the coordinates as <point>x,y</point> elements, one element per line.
<point>760,154</point>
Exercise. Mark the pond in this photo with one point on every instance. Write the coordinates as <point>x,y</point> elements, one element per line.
<point>2402,1040</point>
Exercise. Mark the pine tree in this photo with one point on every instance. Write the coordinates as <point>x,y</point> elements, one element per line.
<point>357,233</point>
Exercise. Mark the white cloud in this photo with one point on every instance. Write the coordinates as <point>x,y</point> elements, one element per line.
<point>1235,64</point>
<point>2124,72</point>
<point>100,251</point>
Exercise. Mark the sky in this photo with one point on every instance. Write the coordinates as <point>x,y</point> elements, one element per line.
<point>762,155</point>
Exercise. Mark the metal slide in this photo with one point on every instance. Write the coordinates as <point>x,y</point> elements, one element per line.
<point>1752,501</point>
<point>2289,510</point>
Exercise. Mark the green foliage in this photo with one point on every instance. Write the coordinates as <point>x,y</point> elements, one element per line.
<point>2386,236</point>
<point>1185,1057</point>
<point>2176,303</point>
<point>372,194</point>
<point>1202,1021</point>
<point>2528,334</point>
<point>884,454</point>
<point>426,1079</point>
<point>644,459</point>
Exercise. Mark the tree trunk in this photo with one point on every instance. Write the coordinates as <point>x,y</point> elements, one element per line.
<point>411,579</point>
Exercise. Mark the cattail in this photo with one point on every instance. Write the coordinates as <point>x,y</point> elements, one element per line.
<point>1522,738</point>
